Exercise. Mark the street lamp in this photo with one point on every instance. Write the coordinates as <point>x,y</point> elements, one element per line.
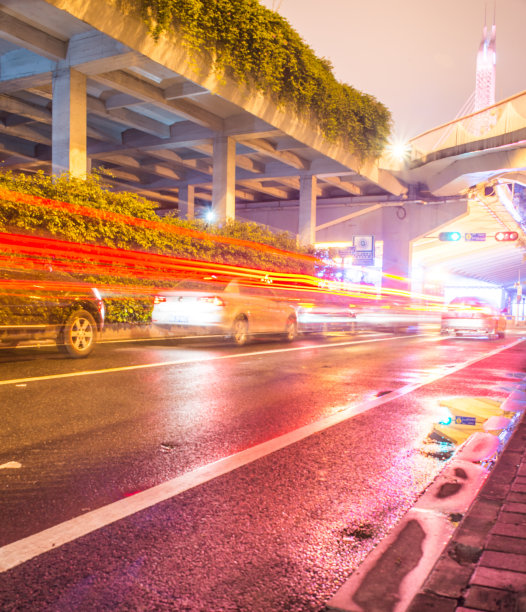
<point>209,216</point>
<point>399,150</point>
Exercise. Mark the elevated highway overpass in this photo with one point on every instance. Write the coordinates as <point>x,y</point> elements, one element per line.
<point>84,86</point>
<point>481,156</point>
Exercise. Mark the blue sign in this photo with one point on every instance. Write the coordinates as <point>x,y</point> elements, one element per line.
<point>478,237</point>
<point>462,420</point>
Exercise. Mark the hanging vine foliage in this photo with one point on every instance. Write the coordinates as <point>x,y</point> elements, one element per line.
<point>256,46</point>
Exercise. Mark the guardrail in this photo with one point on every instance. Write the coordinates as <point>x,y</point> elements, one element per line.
<point>505,117</point>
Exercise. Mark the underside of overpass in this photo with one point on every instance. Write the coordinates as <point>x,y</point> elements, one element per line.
<point>84,86</point>
<point>161,125</point>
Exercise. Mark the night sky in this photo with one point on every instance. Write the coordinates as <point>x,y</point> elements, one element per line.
<point>416,56</point>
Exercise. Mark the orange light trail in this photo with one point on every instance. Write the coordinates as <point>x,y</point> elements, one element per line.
<point>37,253</point>
<point>106,215</point>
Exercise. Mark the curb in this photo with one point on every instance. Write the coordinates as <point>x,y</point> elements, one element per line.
<point>395,572</point>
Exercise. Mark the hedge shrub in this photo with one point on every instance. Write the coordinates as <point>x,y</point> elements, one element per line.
<point>20,217</point>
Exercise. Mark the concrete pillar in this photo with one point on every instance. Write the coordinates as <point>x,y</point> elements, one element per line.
<point>307,212</point>
<point>69,123</point>
<point>186,202</point>
<point>401,227</point>
<point>397,251</point>
<point>224,178</point>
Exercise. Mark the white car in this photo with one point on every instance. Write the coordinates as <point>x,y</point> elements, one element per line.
<point>238,309</point>
<point>472,316</point>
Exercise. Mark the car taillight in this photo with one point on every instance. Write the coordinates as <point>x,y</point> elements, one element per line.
<point>158,299</point>
<point>213,299</point>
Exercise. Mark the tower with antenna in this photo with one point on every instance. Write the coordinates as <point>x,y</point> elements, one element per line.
<point>486,67</point>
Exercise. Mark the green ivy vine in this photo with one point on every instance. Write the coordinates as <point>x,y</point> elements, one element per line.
<point>257,46</point>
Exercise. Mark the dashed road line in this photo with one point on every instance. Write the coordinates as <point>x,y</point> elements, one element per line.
<point>175,362</point>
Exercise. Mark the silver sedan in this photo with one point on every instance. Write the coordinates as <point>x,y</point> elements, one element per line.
<point>238,310</point>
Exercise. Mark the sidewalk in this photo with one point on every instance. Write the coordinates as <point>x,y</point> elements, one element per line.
<point>484,565</point>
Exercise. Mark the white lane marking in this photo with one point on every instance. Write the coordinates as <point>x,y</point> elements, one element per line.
<point>23,550</point>
<point>10,465</point>
<point>144,366</point>
<point>156,338</point>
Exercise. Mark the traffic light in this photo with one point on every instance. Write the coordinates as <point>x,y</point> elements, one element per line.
<point>506,236</point>
<point>450,236</point>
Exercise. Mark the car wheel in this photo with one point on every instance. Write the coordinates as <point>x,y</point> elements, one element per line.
<point>240,331</point>
<point>501,334</point>
<point>291,329</point>
<point>77,337</point>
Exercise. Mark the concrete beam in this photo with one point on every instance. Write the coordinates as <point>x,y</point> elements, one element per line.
<point>336,181</point>
<point>143,191</point>
<point>193,172</point>
<point>26,82</point>
<point>247,126</point>
<point>93,52</point>
<point>147,92</point>
<point>121,174</point>
<point>274,170</point>
<point>128,118</point>
<point>286,157</point>
<point>16,106</point>
<point>242,161</point>
<point>17,146</point>
<point>164,171</point>
<point>138,164</point>
<point>33,132</point>
<point>287,143</point>
<point>275,192</point>
<point>456,175</point>
<point>121,100</point>
<point>184,90</point>
<point>183,134</point>
<point>24,67</point>
<point>249,164</point>
<point>20,33</point>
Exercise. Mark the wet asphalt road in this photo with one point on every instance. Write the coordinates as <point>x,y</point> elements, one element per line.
<point>280,533</point>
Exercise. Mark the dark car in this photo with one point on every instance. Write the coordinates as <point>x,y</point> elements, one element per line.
<point>39,305</point>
